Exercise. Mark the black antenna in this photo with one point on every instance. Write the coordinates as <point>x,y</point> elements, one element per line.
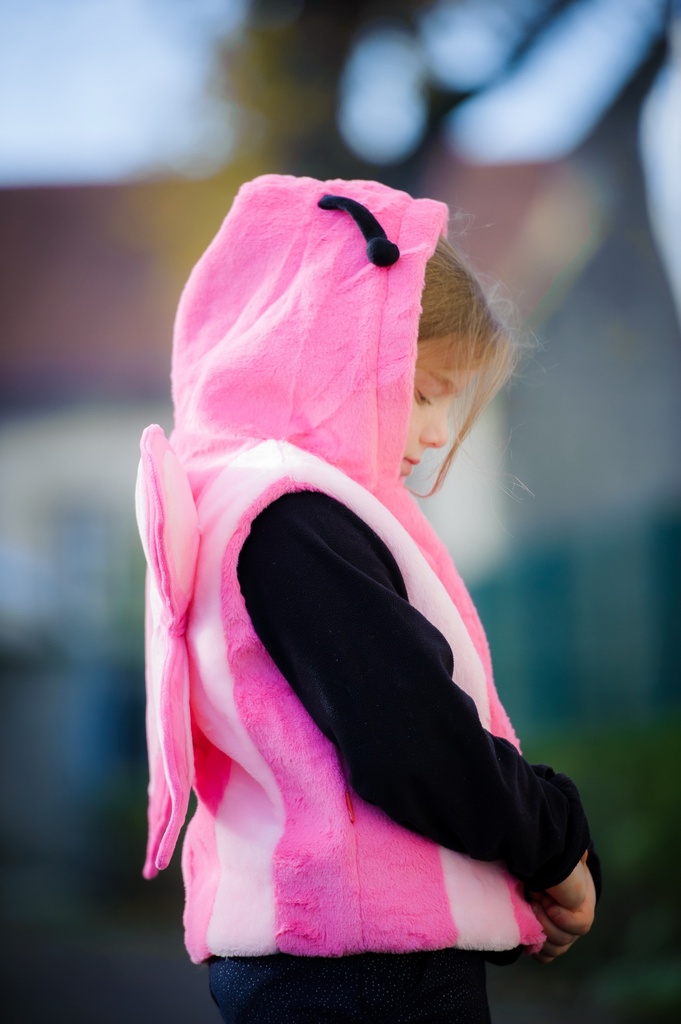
<point>380,250</point>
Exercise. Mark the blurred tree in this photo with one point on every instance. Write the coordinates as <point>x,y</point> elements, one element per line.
<point>287,69</point>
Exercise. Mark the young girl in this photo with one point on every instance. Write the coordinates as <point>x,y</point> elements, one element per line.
<point>366,831</point>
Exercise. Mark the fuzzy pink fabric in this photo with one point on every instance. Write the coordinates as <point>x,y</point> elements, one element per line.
<point>169,529</point>
<point>286,332</point>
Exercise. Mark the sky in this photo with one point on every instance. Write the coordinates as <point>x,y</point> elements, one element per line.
<point>106,90</point>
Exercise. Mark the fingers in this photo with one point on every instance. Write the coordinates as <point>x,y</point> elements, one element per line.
<point>563,920</point>
<point>545,957</point>
<point>558,940</point>
<point>550,950</point>
<point>574,922</point>
<point>555,935</point>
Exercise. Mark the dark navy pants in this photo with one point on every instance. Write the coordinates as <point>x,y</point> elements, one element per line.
<point>446,986</point>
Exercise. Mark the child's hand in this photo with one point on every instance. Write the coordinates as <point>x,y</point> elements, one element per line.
<point>565,912</point>
<point>572,891</point>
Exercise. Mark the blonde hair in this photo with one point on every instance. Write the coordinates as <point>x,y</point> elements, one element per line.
<point>460,332</point>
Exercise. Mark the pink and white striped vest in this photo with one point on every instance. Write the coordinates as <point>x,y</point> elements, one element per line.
<point>279,855</point>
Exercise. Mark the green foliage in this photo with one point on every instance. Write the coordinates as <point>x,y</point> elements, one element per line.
<point>629,781</point>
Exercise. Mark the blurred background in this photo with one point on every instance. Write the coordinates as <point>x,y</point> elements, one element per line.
<point>552,128</point>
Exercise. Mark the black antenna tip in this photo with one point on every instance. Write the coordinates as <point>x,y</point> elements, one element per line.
<point>382,252</point>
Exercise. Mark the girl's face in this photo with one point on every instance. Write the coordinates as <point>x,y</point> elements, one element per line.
<point>434,392</point>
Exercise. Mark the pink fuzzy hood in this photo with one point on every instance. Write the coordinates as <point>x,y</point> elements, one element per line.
<point>286,330</point>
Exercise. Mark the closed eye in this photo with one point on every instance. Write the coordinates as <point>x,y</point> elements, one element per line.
<point>421,399</point>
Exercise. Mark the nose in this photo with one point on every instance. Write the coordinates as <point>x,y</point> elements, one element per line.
<point>435,433</point>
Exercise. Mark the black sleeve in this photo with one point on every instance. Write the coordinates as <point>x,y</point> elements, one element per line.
<point>328,602</point>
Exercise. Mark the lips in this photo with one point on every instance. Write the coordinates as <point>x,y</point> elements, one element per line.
<point>408,465</point>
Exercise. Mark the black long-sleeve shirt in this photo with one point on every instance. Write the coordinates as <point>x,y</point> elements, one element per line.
<point>329,604</point>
